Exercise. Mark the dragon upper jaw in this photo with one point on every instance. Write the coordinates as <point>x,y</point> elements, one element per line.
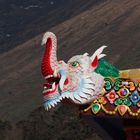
<point>84,94</point>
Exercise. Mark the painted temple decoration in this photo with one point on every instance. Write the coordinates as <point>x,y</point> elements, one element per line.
<point>89,81</point>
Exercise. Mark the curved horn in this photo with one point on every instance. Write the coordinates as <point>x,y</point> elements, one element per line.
<point>98,53</point>
<point>49,61</point>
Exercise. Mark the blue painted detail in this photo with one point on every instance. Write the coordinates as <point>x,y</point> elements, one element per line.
<point>82,84</point>
<point>125,92</point>
<point>135,97</point>
<point>62,72</point>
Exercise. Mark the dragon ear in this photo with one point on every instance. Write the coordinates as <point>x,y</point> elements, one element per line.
<point>94,63</point>
<point>96,56</point>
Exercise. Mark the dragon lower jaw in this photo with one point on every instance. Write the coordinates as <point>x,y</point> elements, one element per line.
<point>54,101</point>
<point>53,88</point>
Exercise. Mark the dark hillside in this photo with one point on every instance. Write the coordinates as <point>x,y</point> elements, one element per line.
<point>23,20</point>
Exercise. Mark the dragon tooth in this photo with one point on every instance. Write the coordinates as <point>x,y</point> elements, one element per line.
<point>67,95</point>
<point>57,100</point>
<point>55,73</point>
<point>53,86</point>
<point>48,76</point>
<point>55,103</point>
<point>60,98</point>
<point>63,96</point>
<point>71,96</point>
<point>46,108</point>
<point>51,103</point>
<point>49,106</point>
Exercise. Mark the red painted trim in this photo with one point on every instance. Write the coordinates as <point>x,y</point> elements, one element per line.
<point>66,81</point>
<point>46,66</point>
<point>94,62</point>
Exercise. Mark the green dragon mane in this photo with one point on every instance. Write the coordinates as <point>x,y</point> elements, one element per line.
<point>106,69</point>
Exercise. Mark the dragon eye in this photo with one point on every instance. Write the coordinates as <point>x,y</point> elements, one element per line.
<point>75,64</point>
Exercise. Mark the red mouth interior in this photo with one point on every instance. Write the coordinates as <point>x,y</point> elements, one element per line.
<point>50,81</point>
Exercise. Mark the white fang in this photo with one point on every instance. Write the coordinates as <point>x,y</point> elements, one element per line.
<point>55,73</point>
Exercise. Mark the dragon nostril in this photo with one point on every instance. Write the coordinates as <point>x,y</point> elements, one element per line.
<point>66,81</point>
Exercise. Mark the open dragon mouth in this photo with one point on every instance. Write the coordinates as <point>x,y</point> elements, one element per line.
<point>51,84</point>
<point>50,93</point>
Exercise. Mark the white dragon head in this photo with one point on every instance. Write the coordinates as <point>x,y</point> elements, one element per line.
<point>75,80</point>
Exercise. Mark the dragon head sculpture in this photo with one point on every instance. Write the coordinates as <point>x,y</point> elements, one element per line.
<point>77,80</point>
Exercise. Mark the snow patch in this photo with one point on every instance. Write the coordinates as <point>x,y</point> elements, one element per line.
<point>31,6</point>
